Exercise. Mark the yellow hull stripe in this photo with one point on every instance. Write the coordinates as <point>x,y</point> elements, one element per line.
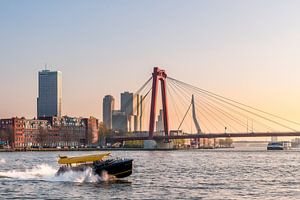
<point>122,172</point>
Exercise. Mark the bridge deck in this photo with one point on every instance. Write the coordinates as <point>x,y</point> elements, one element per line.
<point>210,135</point>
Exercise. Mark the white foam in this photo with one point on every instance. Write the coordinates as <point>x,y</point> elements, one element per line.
<point>47,173</point>
<point>40,171</point>
<point>2,161</point>
<point>86,176</point>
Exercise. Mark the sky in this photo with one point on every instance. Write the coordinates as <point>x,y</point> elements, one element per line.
<point>245,50</point>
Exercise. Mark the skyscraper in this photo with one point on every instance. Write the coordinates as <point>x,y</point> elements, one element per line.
<point>49,94</point>
<point>160,122</point>
<point>108,107</point>
<point>119,121</point>
<point>130,105</point>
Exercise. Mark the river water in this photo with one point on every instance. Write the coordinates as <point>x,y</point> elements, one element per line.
<point>191,174</point>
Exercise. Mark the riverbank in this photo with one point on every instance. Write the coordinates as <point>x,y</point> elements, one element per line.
<point>96,149</point>
<point>85,149</point>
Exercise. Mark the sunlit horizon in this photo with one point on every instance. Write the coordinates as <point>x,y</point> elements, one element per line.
<point>112,47</point>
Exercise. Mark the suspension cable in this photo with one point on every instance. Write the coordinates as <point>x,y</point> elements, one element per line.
<point>218,97</point>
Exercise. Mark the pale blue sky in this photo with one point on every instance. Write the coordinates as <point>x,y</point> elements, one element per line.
<point>248,50</point>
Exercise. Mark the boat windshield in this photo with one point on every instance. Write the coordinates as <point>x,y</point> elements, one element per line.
<point>276,143</point>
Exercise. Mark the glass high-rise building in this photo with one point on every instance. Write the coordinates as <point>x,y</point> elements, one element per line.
<point>49,94</point>
<point>130,105</point>
<point>108,107</point>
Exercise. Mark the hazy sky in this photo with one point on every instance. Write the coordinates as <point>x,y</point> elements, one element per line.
<point>247,50</point>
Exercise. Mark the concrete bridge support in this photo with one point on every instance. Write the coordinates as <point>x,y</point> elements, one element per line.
<point>160,144</point>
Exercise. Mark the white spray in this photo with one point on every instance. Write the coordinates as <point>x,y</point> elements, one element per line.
<point>45,172</point>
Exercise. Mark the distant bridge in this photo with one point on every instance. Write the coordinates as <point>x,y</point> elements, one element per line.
<point>205,136</point>
<point>212,115</point>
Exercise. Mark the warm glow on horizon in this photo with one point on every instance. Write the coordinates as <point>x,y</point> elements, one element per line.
<point>112,47</point>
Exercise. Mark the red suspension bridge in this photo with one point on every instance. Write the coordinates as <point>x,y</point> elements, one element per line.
<point>189,112</point>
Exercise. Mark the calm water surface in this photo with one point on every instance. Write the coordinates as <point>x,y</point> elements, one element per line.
<point>194,174</point>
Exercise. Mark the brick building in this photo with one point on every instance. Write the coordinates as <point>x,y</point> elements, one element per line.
<point>33,131</point>
<point>49,132</point>
<point>14,131</point>
<point>92,129</point>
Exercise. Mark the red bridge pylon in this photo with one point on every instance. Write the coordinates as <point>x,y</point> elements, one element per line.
<point>159,75</point>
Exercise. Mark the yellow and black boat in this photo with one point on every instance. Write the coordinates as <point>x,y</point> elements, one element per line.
<point>119,168</point>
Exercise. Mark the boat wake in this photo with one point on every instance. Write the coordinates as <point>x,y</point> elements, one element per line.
<point>45,172</point>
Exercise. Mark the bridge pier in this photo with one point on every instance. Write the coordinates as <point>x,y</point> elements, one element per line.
<point>159,144</point>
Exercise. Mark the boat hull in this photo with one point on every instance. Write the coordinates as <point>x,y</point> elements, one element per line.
<point>275,148</point>
<point>279,146</point>
<point>119,168</point>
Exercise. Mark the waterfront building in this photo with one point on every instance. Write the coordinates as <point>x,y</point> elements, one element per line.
<point>296,143</point>
<point>91,130</point>
<point>35,132</point>
<point>108,107</point>
<point>131,123</point>
<point>49,94</point>
<point>160,123</point>
<point>50,132</point>
<point>119,121</point>
<point>74,131</point>
<point>71,130</point>
<point>14,129</point>
<point>128,118</point>
<point>130,105</point>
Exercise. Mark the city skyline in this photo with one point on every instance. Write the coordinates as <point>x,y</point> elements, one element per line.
<point>149,99</point>
<point>252,59</point>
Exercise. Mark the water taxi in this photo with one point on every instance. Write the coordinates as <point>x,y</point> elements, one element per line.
<point>279,146</point>
<point>118,168</point>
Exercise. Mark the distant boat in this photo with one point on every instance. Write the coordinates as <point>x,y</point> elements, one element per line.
<point>279,146</point>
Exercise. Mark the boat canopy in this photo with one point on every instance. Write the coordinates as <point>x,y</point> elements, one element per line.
<point>64,160</point>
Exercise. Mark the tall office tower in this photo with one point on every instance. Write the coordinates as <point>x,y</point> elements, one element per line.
<point>49,94</point>
<point>160,122</point>
<point>130,105</point>
<point>120,121</point>
<point>108,107</point>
